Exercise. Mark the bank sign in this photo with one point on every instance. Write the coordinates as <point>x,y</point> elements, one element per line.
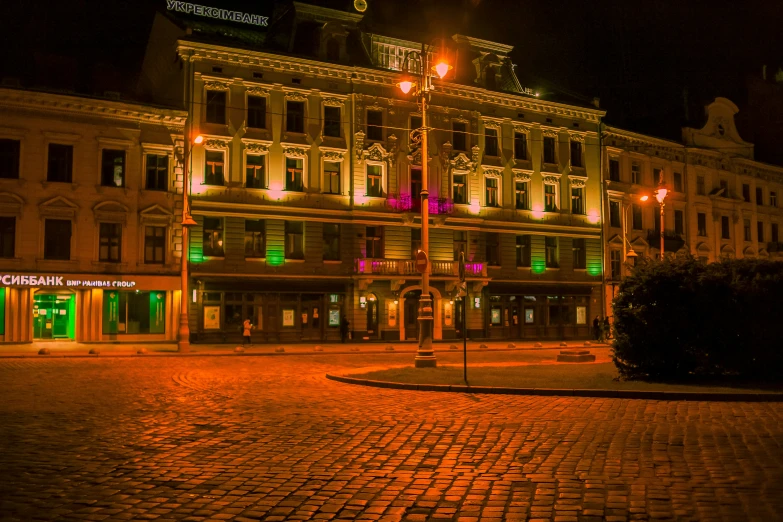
<point>214,12</point>
<point>64,281</point>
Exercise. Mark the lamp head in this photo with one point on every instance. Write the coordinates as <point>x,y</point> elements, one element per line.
<point>631,253</point>
<point>188,221</point>
<point>644,198</point>
<point>442,68</point>
<point>405,86</point>
<point>660,194</point>
<point>198,140</point>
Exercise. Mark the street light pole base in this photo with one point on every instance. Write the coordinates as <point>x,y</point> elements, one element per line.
<point>183,343</point>
<point>426,361</point>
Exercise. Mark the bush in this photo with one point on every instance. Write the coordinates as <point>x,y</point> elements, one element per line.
<point>681,318</point>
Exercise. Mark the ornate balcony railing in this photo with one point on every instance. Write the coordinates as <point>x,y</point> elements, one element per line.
<point>407,203</point>
<point>374,266</point>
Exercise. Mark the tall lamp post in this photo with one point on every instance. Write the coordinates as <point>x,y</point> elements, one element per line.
<point>660,195</point>
<point>425,356</point>
<point>183,335</point>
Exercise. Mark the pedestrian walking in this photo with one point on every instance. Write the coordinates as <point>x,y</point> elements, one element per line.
<point>597,328</point>
<point>246,327</point>
<point>606,329</point>
<point>344,324</point>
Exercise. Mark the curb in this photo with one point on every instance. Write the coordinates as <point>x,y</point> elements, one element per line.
<point>567,392</point>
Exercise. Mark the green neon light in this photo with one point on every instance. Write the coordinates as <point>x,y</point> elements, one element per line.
<point>196,253</point>
<point>594,269</point>
<point>275,256</point>
<point>538,265</point>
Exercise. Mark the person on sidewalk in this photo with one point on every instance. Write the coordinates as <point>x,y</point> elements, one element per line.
<point>344,324</point>
<point>246,327</point>
<point>606,330</point>
<point>597,328</point>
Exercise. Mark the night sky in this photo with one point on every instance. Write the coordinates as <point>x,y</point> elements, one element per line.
<point>653,64</point>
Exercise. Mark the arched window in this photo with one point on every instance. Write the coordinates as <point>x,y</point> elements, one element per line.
<point>333,50</point>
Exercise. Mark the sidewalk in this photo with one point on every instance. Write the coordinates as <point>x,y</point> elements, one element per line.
<point>73,349</point>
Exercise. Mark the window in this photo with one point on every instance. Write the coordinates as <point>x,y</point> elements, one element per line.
<point>9,159</point>
<point>416,122</point>
<point>580,257</point>
<point>415,242</point>
<point>701,223</point>
<point>679,225</point>
<point>550,197</point>
<point>332,177</point>
<point>614,214</point>
<point>213,237</point>
<point>700,185</point>
<point>576,154</point>
<point>552,257</point>
<point>725,231</point>
<point>678,182</point>
<point>375,181</point>
<point>7,236</point>
<point>492,192</point>
<point>746,230</point>
<point>523,251</point>
<point>614,169</point>
<point>110,241</point>
<point>460,188</point>
<point>549,150</point>
<point>759,196</point>
<point>256,112</point>
<point>375,125</point>
<point>374,242</point>
<point>760,231</point>
<point>134,312</point>
<point>577,200</point>
<point>636,212</point>
<point>724,186</point>
<point>294,116</point>
<point>657,175</point>
<point>57,239</point>
<point>459,136</point>
<point>746,192</point>
<point>60,164</point>
<point>333,50</point>
<point>615,263</point>
<point>522,191</point>
<point>294,168</point>
<point>255,238</point>
<point>157,172</point>
<point>460,244</point>
<point>113,168</point>
<point>332,121</point>
<point>520,145</point>
<point>493,249</point>
<point>216,107</point>
<point>294,240</point>
<point>416,185</point>
<point>255,167</point>
<point>773,198</point>
<point>636,174</point>
<point>774,233</point>
<point>491,142</point>
<point>154,245</point>
<point>213,168</point>
<point>331,242</point>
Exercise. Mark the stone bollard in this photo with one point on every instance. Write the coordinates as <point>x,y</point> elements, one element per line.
<point>141,351</point>
<point>318,348</point>
<point>239,349</point>
<point>453,347</point>
<point>280,349</point>
<point>512,345</point>
<point>354,348</point>
<point>483,347</point>
<point>538,345</point>
<point>390,348</point>
<point>44,351</point>
<point>94,351</point>
<point>563,344</point>
<point>588,343</point>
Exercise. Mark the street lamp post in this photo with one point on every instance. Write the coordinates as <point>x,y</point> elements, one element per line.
<point>183,334</point>
<point>425,355</point>
<point>660,195</point>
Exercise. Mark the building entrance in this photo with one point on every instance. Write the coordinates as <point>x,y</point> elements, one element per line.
<point>54,316</point>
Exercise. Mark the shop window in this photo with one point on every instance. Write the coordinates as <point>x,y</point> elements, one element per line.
<point>678,182</point>
<point>579,253</point>
<point>701,223</point>
<point>294,240</point>
<point>577,200</point>
<point>134,312</point>
<point>523,251</point>
<point>154,245</point>
<point>725,229</point>
<point>374,242</point>
<point>459,135</point>
<point>700,185</point>
<point>57,239</point>
<point>522,192</point>
<point>550,197</point>
<point>331,177</point>
<point>332,121</point>
<point>216,107</point>
<point>7,238</point>
<point>614,214</point>
<point>576,154</point>
<point>415,242</point>
<point>9,158</point>
<point>493,249</point>
<point>492,195</point>
<point>374,125</point>
<point>459,193</point>
<point>256,112</point>
<point>549,150</point>
<point>294,116</point>
<point>255,171</point>
<point>679,222</point>
<point>520,145</point>
<point>552,254</point>
<point>157,171</point>
<point>214,168</point>
<point>491,142</point>
<point>460,244</point>
<point>213,237</point>
<point>614,169</point>
<point>331,242</point>
<point>255,235</point>
<point>375,181</point>
<point>110,242</point>
<point>60,163</point>
<point>294,168</point>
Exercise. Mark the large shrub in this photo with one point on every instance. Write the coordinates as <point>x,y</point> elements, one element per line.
<point>682,318</point>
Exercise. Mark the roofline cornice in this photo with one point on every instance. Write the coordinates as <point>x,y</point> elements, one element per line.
<point>635,136</point>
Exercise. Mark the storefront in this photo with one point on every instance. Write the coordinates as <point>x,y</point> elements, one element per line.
<point>88,307</point>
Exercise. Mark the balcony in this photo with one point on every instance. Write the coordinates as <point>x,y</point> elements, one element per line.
<point>672,241</point>
<point>407,267</point>
<point>407,203</point>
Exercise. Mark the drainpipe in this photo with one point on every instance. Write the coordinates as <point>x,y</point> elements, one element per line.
<point>603,221</point>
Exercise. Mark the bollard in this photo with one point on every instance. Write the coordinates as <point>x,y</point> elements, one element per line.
<point>239,349</point>
<point>44,351</point>
<point>390,348</point>
<point>95,351</point>
<point>538,345</point>
<point>318,348</point>
<point>354,348</point>
<point>512,345</point>
<point>280,349</point>
<point>453,347</point>
<point>141,351</point>
<point>483,347</point>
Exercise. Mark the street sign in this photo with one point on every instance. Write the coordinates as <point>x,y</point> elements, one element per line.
<point>421,262</point>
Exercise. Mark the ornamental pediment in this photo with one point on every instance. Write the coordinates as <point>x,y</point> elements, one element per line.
<point>58,206</point>
<point>462,162</point>
<point>522,175</point>
<point>11,203</point>
<point>376,152</point>
<point>156,214</point>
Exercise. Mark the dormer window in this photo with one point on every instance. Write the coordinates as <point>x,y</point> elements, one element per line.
<point>333,50</point>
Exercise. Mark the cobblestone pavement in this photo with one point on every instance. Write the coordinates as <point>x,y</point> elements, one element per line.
<point>266,438</point>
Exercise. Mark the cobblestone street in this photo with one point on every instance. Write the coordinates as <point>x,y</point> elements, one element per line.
<point>269,438</point>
